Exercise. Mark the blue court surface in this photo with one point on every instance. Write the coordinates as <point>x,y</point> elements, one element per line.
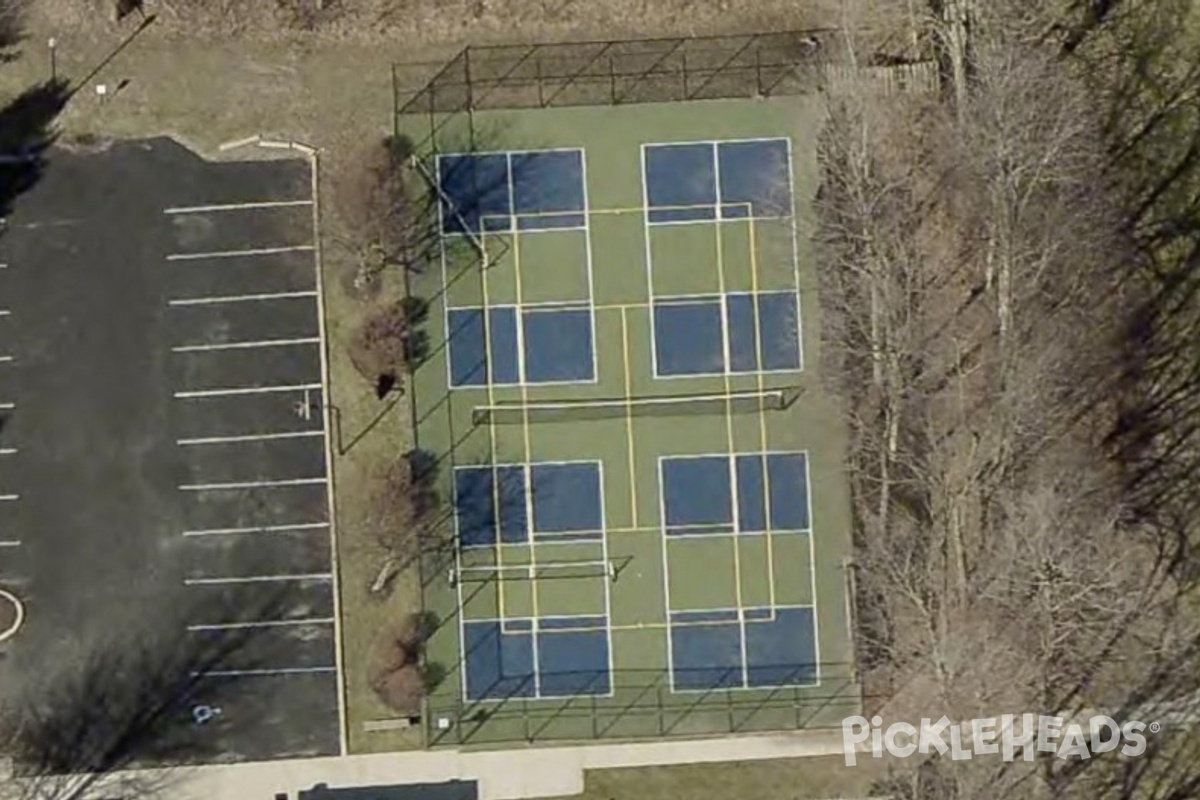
<point>761,647</point>
<point>547,657</point>
<point>514,504</point>
<point>717,180</point>
<point>492,192</point>
<point>771,492</point>
<point>558,346</point>
<point>737,333</point>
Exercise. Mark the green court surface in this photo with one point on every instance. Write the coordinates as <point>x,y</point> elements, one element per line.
<point>643,476</point>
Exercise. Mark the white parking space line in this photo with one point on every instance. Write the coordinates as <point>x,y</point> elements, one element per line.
<point>206,348</point>
<point>257,251</point>
<point>209,487</point>
<point>299,526</point>
<point>7,406</point>
<point>310,576</point>
<point>9,544</point>
<point>238,298</point>
<point>257,673</point>
<point>6,359</point>
<point>8,451</point>
<point>236,206</point>
<point>8,498</point>
<point>296,387</point>
<point>4,312</point>
<point>267,623</point>
<point>252,437</point>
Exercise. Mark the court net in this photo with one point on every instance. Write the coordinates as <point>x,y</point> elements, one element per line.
<point>542,570</point>
<point>746,402</point>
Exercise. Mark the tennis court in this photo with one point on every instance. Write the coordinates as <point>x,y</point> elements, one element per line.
<point>648,511</point>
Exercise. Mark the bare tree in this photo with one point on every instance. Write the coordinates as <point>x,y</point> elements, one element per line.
<point>974,275</point>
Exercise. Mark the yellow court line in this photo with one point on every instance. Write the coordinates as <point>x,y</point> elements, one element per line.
<point>762,413</point>
<point>491,395</point>
<point>633,501</point>
<point>525,429</point>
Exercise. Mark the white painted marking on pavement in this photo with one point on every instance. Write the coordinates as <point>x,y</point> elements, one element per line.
<point>267,623</point>
<point>205,348</point>
<point>310,576</point>
<point>238,298</point>
<point>253,437</point>
<point>258,251</point>
<point>264,484</point>
<point>236,206</point>
<point>298,387</point>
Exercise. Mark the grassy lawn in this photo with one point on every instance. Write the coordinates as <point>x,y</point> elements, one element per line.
<point>369,432</point>
<point>782,779</point>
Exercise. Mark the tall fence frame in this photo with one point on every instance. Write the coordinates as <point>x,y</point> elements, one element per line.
<point>614,72</point>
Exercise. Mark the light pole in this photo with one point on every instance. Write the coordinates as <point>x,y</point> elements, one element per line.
<point>53,43</point>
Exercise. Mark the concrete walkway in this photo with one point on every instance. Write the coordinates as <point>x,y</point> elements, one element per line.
<point>501,774</point>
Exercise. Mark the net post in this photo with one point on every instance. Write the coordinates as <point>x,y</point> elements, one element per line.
<point>683,73</point>
<point>595,720</point>
<point>662,722</point>
<point>729,708</point>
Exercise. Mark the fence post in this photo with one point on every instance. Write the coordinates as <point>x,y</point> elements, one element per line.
<point>683,73</point>
<point>662,722</point>
<point>729,708</point>
<point>467,75</point>
<point>758,72</point>
<point>537,73</point>
<point>612,82</point>
<point>595,721</point>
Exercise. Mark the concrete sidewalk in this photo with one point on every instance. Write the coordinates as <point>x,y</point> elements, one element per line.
<point>501,774</point>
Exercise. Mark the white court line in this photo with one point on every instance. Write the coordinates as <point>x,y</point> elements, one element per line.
<point>297,387</point>
<point>253,437</point>
<point>311,576</point>
<point>236,206</point>
<point>267,623</point>
<point>301,526</point>
<point>238,673</point>
<point>206,487</point>
<point>258,251</point>
<point>204,348</point>
<point>238,298</point>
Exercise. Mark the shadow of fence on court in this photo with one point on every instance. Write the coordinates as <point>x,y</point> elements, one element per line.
<point>643,705</point>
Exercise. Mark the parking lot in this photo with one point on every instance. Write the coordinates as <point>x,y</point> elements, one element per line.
<point>160,366</point>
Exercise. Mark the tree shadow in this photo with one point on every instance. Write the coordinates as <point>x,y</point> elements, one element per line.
<point>26,133</point>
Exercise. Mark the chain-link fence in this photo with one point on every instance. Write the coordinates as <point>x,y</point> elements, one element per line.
<point>615,73</point>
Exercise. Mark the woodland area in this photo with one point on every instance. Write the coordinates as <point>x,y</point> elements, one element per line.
<point>1009,289</point>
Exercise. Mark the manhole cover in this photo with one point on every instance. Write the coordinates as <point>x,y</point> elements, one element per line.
<point>12,614</point>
